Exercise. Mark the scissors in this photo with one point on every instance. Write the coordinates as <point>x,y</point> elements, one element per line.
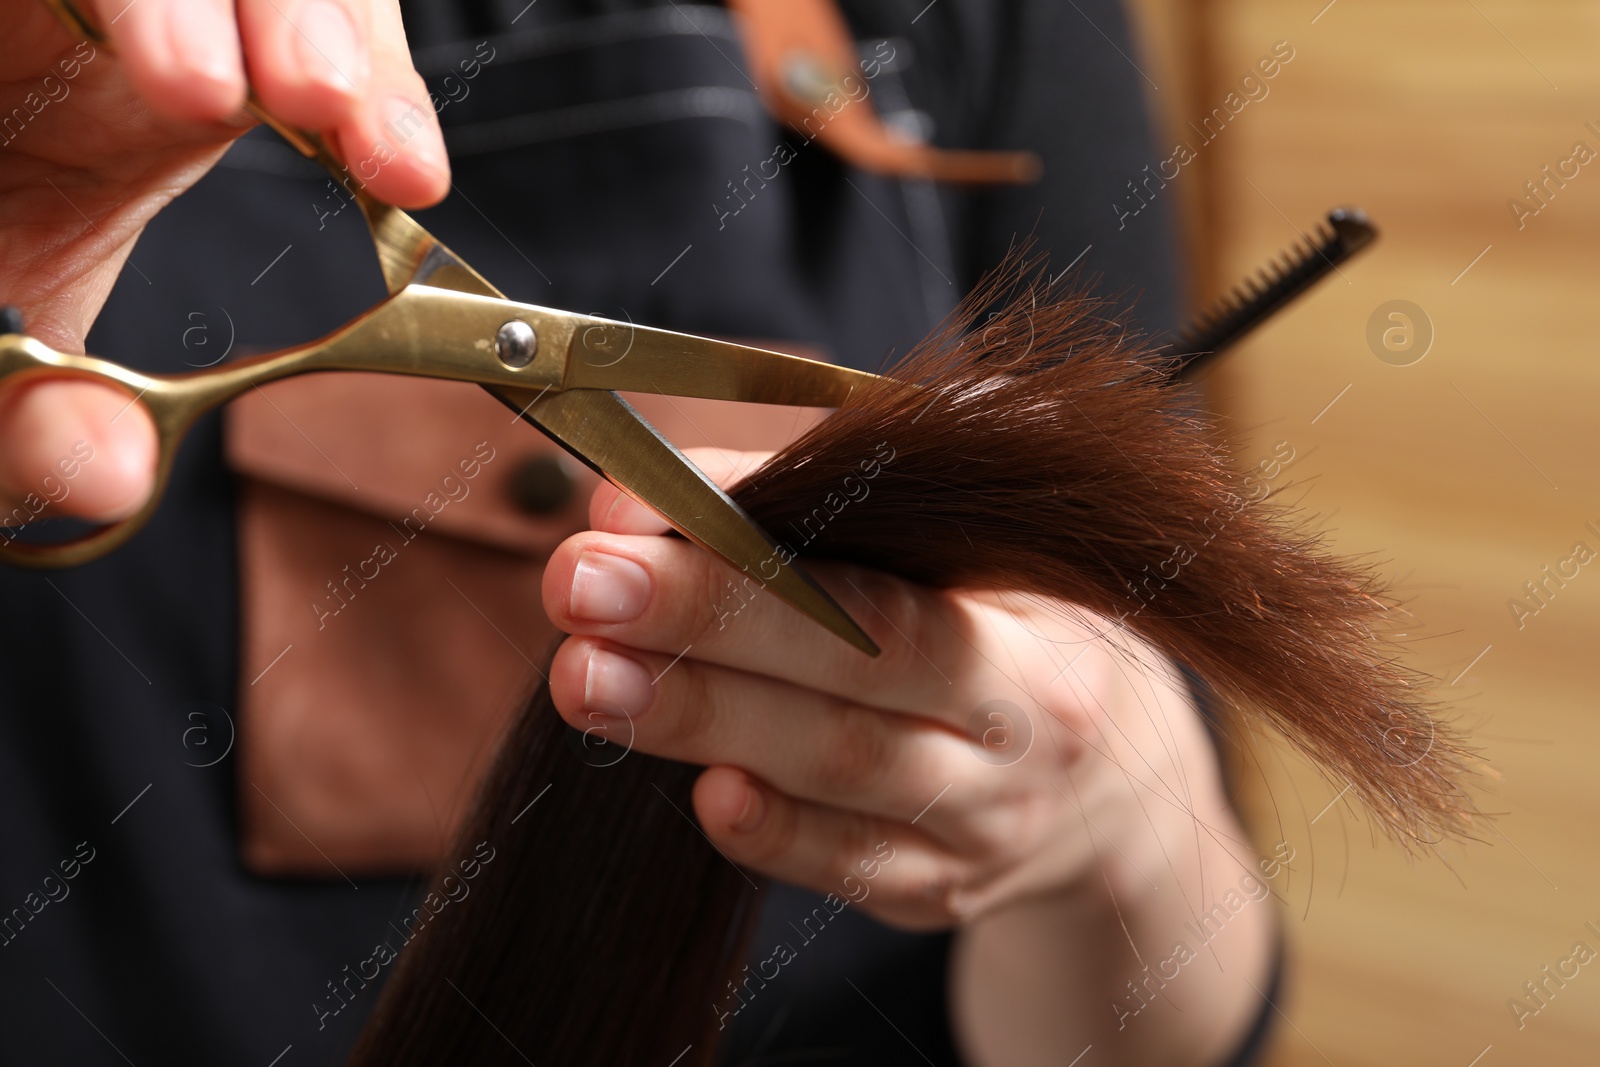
<point>556,369</point>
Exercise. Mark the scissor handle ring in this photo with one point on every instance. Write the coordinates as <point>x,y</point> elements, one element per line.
<point>23,359</point>
<point>57,555</point>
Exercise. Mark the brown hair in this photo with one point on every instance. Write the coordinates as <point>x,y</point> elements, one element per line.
<point>1041,451</point>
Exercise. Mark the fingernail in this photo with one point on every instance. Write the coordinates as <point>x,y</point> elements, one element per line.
<point>329,46</point>
<point>754,810</point>
<point>203,41</point>
<point>607,588</point>
<point>410,127</point>
<point>616,686</point>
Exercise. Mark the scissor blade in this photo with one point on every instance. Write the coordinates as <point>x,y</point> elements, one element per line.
<point>619,355</point>
<point>602,430</point>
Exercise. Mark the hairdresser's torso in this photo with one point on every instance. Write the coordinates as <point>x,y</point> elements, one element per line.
<point>603,154</point>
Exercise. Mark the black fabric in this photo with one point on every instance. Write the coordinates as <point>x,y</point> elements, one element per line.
<point>594,155</point>
<point>1253,1045</point>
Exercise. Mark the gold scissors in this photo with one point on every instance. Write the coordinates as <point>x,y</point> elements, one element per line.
<point>556,369</point>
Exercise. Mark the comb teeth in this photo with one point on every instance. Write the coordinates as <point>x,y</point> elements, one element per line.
<point>1346,232</point>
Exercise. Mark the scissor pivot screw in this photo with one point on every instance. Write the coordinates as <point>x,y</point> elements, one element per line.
<point>516,344</point>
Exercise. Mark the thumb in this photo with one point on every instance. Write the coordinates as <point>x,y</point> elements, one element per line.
<point>73,449</point>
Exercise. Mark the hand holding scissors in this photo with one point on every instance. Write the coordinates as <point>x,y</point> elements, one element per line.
<point>95,144</point>
<point>556,369</point>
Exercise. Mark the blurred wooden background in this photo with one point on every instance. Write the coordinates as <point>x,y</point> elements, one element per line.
<point>1461,475</point>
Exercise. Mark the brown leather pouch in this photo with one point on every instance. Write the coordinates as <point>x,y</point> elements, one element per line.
<point>390,600</point>
<point>389,589</point>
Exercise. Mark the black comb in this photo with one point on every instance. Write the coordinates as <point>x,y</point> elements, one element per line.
<point>1346,232</point>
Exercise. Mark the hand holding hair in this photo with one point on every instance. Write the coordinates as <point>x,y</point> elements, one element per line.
<point>1011,765</point>
<point>818,754</point>
<point>1042,462</point>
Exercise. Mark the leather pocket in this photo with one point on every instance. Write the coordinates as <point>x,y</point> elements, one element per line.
<point>390,591</point>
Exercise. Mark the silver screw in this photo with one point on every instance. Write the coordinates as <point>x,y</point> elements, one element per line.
<point>516,344</point>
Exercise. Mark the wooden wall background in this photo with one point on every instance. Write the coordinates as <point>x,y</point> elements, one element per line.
<point>1461,475</point>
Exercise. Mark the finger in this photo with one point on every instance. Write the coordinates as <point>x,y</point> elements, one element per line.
<point>393,143</point>
<point>663,595</point>
<point>614,511</point>
<point>343,66</point>
<point>885,868</point>
<point>810,745</point>
<point>182,56</point>
<point>310,61</point>
<point>73,449</point>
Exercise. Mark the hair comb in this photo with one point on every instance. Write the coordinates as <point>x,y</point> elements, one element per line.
<point>1346,232</point>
